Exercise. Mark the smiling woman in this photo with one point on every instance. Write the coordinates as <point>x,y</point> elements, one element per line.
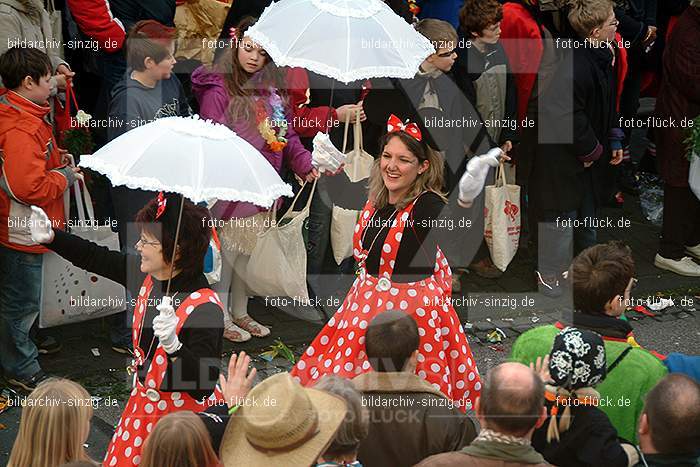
<point>401,267</point>
<point>176,351</point>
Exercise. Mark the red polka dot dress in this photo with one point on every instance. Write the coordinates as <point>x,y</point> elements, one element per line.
<point>147,404</point>
<point>444,357</point>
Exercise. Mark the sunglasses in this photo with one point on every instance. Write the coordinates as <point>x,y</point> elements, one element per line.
<point>447,54</point>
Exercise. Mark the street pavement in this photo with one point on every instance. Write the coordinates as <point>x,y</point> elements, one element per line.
<point>510,303</point>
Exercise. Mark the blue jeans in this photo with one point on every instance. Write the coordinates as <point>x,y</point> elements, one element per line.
<point>560,232</point>
<point>20,296</point>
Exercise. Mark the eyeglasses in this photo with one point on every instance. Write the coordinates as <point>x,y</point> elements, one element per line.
<point>447,54</point>
<point>142,242</point>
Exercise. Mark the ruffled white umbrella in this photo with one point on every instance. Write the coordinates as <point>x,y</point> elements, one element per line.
<point>347,40</point>
<point>198,159</point>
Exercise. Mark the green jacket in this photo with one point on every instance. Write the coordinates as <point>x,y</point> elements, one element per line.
<point>623,390</point>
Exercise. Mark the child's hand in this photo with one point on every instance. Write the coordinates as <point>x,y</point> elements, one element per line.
<point>311,176</point>
<point>541,367</point>
<point>617,155</point>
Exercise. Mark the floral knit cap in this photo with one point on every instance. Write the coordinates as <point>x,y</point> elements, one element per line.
<point>577,359</point>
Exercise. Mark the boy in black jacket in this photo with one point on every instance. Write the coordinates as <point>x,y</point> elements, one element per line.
<point>578,141</point>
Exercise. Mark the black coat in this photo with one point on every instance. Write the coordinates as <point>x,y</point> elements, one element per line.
<point>577,113</point>
<point>591,440</point>
<point>402,97</point>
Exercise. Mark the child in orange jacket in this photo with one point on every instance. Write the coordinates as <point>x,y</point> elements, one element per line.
<point>34,172</point>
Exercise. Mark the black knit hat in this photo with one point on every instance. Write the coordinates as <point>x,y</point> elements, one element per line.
<point>577,359</point>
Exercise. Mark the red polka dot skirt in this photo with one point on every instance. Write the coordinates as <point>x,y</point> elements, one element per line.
<point>444,357</point>
<point>147,404</point>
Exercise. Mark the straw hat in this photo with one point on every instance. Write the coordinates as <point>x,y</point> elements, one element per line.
<point>282,423</point>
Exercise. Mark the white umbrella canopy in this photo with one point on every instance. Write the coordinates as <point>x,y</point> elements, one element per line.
<point>198,159</point>
<point>347,40</point>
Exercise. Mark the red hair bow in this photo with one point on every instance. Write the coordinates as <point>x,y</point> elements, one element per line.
<point>394,124</point>
<point>161,204</point>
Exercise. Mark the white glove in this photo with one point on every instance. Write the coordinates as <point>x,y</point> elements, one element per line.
<point>40,226</point>
<point>164,326</point>
<point>472,182</point>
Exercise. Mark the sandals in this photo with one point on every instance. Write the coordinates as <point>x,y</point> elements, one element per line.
<point>248,324</point>
<point>235,333</point>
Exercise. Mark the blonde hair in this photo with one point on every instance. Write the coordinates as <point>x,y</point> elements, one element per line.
<point>586,15</point>
<point>55,421</point>
<point>355,426</point>
<point>430,180</point>
<point>440,33</point>
<point>179,439</point>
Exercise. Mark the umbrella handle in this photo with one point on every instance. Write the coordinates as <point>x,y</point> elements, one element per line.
<point>330,106</point>
<point>177,236</point>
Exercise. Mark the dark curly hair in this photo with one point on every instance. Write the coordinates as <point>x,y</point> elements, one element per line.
<point>195,232</point>
<point>477,15</point>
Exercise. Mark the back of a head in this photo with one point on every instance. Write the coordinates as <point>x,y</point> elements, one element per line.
<point>512,399</point>
<point>672,408</point>
<point>600,273</point>
<point>355,426</point>
<point>19,62</point>
<point>148,38</point>
<point>179,439</point>
<point>54,425</point>
<point>391,338</point>
<point>586,15</point>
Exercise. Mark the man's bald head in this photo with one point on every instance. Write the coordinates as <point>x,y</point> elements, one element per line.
<point>672,409</point>
<point>512,399</point>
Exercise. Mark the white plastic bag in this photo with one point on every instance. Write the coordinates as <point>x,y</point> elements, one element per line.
<point>213,260</point>
<point>70,294</point>
<point>694,175</point>
<point>502,220</point>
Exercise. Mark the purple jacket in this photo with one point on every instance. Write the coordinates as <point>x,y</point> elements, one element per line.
<point>210,90</point>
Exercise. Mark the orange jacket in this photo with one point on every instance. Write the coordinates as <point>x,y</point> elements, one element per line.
<point>32,171</point>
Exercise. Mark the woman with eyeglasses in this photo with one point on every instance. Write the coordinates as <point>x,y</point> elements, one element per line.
<point>177,348</point>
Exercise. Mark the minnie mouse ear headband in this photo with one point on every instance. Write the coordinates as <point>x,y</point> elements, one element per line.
<point>168,209</point>
<point>395,125</point>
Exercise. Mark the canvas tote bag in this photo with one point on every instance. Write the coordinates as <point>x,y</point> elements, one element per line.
<point>70,294</point>
<point>358,167</point>
<point>277,265</point>
<point>502,219</point>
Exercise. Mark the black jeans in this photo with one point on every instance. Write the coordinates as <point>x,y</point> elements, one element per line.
<point>681,227</point>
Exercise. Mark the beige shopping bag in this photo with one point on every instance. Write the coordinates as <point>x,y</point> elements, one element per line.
<point>502,220</point>
<point>358,166</point>
<point>277,266</point>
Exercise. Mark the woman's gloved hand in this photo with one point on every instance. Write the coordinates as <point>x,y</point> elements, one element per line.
<point>40,226</point>
<point>472,182</point>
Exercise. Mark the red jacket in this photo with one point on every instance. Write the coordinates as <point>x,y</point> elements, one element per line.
<point>32,171</point>
<point>307,120</point>
<point>521,38</point>
<point>95,20</point>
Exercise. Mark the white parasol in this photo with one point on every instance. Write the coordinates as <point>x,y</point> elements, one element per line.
<point>347,40</point>
<point>198,159</point>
